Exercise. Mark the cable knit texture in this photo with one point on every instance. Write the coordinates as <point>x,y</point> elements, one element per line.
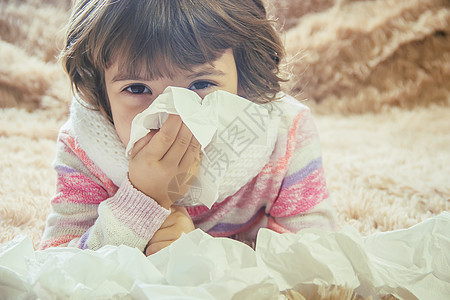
<point>95,204</point>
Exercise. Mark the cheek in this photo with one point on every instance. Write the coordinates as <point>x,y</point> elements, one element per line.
<point>122,122</point>
<point>123,116</point>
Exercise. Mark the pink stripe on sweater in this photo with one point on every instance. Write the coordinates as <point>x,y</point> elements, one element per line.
<point>280,165</point>
<point>58,241</point>
<point>77,188</point>
<point>73,146</point>
<point>302,196</point>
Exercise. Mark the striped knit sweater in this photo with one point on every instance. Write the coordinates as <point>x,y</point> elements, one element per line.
<point>89,210</point>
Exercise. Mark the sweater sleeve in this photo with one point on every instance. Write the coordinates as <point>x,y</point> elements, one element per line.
<point>303,200</point>
<point>86,212</point>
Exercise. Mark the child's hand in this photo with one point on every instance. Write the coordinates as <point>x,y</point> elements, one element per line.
<point>176,223</point>
<point>164,163</point>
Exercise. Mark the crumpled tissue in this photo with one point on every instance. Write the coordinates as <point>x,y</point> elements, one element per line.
<point>236,135</point>
<point>410,264</point>
<point>196,266</point>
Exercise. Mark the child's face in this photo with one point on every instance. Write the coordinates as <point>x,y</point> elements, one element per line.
<point>130,96</point>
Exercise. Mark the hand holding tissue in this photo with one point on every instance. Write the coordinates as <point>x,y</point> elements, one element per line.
<point>236,135</point>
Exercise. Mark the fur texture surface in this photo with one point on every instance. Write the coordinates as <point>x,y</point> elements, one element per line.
<point>376,73</point>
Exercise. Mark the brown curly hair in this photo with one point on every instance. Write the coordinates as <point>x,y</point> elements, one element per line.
<point>157,34</point>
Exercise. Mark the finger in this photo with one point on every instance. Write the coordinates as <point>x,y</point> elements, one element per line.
<point>181,209</point>
<point>179,146</point>
<point>142,142</point>
<point>176,213</point>
<point>166,234</point>
<point>192,157</point>
<point>171,233</point>
<point>163,140</point>
<point>153,248</point>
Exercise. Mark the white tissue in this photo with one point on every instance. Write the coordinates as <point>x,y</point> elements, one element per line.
<point>237,137</point>
<point>410,264</point>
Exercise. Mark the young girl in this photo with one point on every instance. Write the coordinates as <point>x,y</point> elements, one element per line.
<point>120,55</point>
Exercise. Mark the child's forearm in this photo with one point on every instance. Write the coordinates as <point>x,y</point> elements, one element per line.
<point>88,211</point>
<point>129,218</point>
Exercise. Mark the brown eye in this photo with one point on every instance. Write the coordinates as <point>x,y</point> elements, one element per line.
<point>201,85</point>
<point>137,89</point>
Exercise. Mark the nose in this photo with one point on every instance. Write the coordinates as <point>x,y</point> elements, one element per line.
<point>161,84</point>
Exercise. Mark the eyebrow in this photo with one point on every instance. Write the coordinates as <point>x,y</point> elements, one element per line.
<point>205,72</point>
<point>125,77</point>
<point>208,71</point>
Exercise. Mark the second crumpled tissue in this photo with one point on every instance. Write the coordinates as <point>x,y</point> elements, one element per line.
<point>237,138</point>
